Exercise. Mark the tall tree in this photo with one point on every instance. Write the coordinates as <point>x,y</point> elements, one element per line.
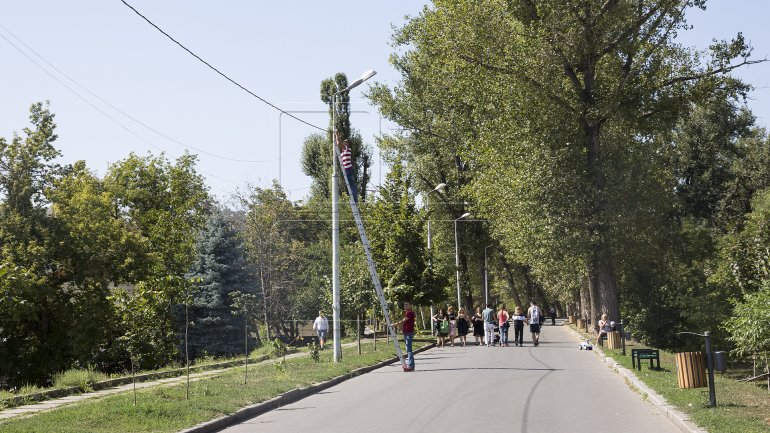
<point>565,96</point>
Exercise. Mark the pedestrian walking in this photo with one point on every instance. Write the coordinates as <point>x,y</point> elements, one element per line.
<point>441,323</point>
<point>407,327</point>
<point>463,324</point>
<point>502,322</point>
<point>452,325</point>
<point>518,326</point>
<point>489,325</point>
<point>321,327</point>
<point>534,315</point>
<point>552,312</point>
<point>478,326</point>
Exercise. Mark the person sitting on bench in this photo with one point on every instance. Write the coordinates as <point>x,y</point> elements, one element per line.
<point>604,328</point>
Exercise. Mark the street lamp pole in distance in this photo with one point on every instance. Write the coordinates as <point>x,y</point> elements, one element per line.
<point>457,259</point>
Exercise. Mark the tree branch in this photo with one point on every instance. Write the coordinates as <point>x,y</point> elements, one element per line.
<point>531,81</point>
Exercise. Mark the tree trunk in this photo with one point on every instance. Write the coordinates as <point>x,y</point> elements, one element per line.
<point>585,299</point>
<point>511,283</point>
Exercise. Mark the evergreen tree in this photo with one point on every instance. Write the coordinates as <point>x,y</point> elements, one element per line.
<point>221,267</point>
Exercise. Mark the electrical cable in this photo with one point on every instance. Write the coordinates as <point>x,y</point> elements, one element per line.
<point>220,72</point>
<point>128,115</point>
<point>104,113</point>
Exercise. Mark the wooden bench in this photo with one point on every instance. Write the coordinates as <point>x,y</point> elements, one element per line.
<point>637,355</point>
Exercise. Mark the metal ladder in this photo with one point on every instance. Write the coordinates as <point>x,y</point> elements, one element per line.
<point>370,260</point>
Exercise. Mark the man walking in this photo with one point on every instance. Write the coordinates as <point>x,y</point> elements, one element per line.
<point>321,327</point>
<point>489,325</point>
<point>407,326</point>
<point>534,314</point>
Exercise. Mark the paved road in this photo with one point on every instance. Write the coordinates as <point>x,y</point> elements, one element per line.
<point>551,388</point>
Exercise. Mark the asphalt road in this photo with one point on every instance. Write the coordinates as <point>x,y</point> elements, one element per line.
<point>550,388</point>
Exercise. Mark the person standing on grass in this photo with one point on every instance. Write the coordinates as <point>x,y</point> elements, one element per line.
<point>489,325</point>
<point>321,327</point>
<point>535,315</point>
<point>407,327</point>
<point>478,326</point>
<point>518,327</point>
<point>462,325</point>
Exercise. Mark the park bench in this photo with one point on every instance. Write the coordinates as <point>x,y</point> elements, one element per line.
<point>637,355</point>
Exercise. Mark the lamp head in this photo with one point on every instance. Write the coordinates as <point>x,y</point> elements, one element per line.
<point>439,186</point>
<point>465,215</point>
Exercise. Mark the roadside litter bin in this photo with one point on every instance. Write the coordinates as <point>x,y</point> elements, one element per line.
<point>691,369</point>
<point>720,361</point>
<point>613,340</point>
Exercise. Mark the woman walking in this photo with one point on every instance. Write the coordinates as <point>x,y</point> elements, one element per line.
<point>502,322</point>
<point>442,327</point>
<point>452,325</point>
<point>518,326</point>
<point>478,326</point>
<point>462,326</point>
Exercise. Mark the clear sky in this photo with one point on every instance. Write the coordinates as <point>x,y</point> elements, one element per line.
<point>279,50</point>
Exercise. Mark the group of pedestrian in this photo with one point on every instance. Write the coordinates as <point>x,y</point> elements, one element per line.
<point>449,326</point>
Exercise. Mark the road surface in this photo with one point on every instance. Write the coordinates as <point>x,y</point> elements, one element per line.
<point>550,388</point>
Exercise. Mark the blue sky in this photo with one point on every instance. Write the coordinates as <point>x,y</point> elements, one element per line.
<point>279,50</point>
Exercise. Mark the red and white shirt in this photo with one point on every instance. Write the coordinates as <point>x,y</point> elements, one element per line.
<point>345,156</point>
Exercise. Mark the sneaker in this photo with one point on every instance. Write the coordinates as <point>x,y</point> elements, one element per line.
<point>407,369</point>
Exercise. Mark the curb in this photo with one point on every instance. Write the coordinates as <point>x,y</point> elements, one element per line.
<point>288,397</point>
<point>679,419</point>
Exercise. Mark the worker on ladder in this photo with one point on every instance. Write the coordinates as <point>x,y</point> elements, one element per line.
<point>346,158</point>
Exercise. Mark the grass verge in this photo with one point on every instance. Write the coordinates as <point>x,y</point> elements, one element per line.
<point>741,407</point>
<point>165,409</point>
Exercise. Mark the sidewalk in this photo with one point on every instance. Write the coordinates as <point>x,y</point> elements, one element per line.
<point>46,405</point>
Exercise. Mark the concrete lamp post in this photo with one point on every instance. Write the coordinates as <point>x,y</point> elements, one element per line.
<point>438,188</point>
<point>336,225</point>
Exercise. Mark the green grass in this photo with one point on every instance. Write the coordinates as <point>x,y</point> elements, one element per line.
<point>741,407</point>
<point>164,408</point>
<point>81,378</point>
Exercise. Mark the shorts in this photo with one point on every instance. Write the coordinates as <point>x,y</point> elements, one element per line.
<point>534,328</point>
<point>321,334</point>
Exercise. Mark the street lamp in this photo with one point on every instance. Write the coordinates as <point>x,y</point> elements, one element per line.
<point>336,225</point>
<point>438,187</point>
<point>486,280</point>
<point>457,258</point>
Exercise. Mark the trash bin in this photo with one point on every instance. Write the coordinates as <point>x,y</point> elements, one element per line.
<point>720,361</point>
<point>691,369</point>
<point>613,340</point>
<point>581,324</point>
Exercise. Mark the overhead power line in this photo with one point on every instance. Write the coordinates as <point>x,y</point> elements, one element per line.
<point>220,72</point>
<point>92,105</point>
<point>213,155</point>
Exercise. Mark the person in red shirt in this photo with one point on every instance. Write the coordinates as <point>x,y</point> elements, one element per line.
<point>407,326</point>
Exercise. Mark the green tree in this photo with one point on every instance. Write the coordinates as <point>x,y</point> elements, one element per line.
<point>221,267</point>
<point>560,102</point>
<point>167,204</point>
<point>317,148</point>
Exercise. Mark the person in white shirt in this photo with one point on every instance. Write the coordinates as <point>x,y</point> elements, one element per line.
<point>321,327</point>
<point>534,314</point>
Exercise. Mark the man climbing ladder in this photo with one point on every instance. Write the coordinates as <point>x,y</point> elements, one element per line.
<point>369,260</point>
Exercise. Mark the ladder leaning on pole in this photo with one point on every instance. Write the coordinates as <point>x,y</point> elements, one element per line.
<point>370,260</point>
